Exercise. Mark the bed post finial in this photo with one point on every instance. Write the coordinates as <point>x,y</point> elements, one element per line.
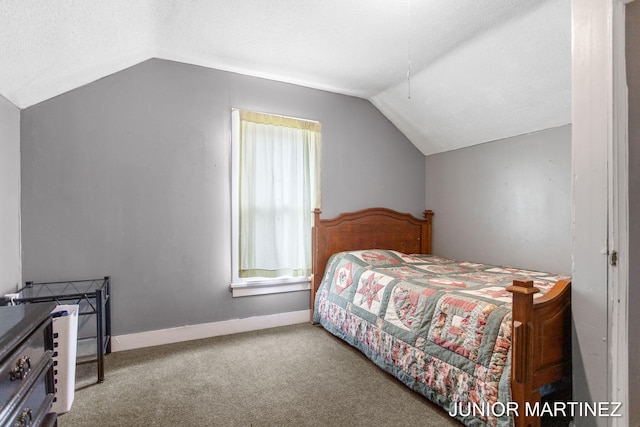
<point>316,274</point>
<point>522,345</point>
<point>426,232</point>
<point>316,217</point>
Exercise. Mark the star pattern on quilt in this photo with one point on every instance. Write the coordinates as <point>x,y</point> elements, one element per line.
<point>343,277</point>
<point>369,289</point>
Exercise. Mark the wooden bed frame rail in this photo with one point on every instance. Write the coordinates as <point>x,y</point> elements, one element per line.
<point>541,328</point>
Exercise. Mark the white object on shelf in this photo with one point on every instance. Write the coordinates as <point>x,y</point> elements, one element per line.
<point>65,336</point>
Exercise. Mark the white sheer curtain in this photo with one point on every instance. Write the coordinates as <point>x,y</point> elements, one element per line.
<point>278,191</point>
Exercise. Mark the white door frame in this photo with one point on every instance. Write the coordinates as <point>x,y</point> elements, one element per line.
<point>618,282</point>
<point>600,204</point>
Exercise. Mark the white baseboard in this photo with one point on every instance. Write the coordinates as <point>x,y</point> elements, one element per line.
<point>206,330</point>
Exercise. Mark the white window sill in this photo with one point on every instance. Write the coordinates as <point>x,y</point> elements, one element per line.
<point>269,286</point>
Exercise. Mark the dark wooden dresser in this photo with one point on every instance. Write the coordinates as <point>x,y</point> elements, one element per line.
<point>26,366</point>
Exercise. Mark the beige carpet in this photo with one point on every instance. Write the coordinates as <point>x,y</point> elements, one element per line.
<point>290,376</point>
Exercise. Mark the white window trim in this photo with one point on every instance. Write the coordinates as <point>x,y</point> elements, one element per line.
<point>270,286</point>
<point>241,287</point>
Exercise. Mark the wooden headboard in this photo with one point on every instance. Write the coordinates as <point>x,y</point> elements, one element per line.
<point>374,228</point>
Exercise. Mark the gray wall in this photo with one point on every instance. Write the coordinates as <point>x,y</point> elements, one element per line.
<point>633,82</point>
<point>10,261</point>
<point>506,202</point>
<point>129,177</point>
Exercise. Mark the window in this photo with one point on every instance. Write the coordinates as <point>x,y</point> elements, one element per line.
<point>275,188</point>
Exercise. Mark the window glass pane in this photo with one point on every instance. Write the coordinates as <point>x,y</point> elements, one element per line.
<point>278,168</point>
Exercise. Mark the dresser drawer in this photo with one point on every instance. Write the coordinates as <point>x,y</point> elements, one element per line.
<point>21,363</point>
<point>31,408</point>
<point>26,366</point>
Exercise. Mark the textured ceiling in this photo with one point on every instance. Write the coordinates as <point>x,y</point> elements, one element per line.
<point>481,70</point>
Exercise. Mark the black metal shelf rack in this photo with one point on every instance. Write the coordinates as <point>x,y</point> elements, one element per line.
<point>93,298</point>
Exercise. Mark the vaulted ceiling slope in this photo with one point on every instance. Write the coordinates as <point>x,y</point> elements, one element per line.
<point>479,70</point>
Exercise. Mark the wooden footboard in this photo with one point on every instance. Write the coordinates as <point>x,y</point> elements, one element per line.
<point>540,344</point>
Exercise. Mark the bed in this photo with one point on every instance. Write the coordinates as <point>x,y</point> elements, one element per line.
<point>481,341</point>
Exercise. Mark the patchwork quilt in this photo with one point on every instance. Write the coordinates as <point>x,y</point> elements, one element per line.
<point>440,326</point>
